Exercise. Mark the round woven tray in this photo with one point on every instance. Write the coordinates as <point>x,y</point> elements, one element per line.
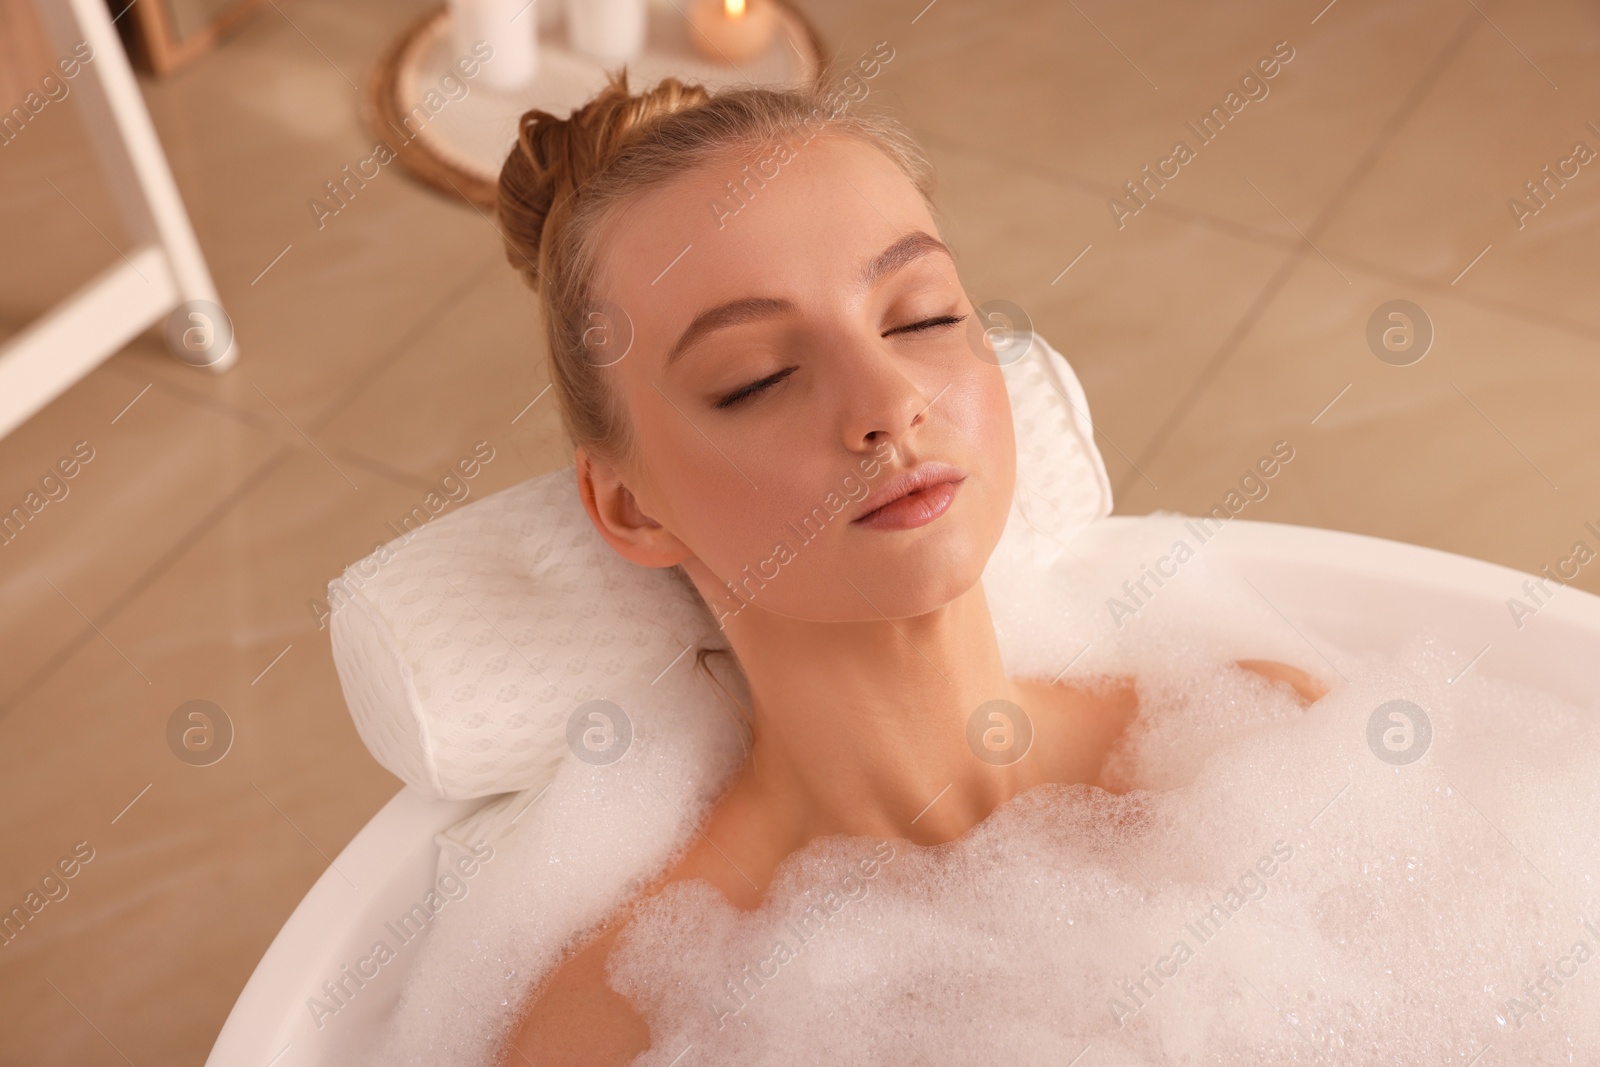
<point>458,148</point>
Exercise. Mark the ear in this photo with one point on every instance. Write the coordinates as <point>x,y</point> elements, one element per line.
<point>616,515</point>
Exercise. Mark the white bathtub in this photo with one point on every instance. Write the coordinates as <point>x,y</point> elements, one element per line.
<point>1362,593</point>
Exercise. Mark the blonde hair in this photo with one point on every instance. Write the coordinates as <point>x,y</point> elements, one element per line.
<point>565,177</point>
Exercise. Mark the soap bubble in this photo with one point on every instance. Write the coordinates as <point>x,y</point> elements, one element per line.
<point>1399,732</point>
<point>1244,884</point>
<point>1286,899</point>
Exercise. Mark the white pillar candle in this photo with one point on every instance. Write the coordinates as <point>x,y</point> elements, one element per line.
<point>610,31</point>
<point>510,27</point>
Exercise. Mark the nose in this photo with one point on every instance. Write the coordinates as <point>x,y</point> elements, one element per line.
<point>880,399</point>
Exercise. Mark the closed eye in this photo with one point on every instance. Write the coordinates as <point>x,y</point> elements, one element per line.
<point>928,324</point>
<point>746,391</point>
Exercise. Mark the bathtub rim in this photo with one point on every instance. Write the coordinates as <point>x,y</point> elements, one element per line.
<point>314,939</point>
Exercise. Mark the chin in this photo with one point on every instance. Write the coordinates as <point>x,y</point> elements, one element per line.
<point>861,574</point>
<point>927,577</point>
<point>910,573</point>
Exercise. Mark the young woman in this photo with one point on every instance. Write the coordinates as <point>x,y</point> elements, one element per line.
<point>747,301</point>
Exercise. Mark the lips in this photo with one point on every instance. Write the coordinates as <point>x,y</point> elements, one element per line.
<point>912,499</point>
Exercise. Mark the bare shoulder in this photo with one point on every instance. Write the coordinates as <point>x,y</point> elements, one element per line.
<point>575,1017</point>
<point>1309,689</point>
<point>1098,703</point>
<point>1078,723</point>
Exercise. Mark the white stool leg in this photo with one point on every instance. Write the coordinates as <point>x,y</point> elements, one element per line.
<point>165,268</point>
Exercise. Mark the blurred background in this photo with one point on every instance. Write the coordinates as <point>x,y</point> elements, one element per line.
<point>1383,253</point>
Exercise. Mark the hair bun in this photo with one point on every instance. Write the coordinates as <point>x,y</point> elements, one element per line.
<point>554,156</point>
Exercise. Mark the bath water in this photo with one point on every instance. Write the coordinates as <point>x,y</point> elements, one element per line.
<point>1277,885</point>
<point>1407,871</point>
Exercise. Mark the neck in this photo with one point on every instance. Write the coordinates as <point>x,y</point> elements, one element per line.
<point>861,728</point>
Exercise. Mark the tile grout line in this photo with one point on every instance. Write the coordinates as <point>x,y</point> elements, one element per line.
<point>146,578</point>
<point>244,417</point>
<point>382,469</point>
<point>1251,235</point>
<point>1386,133</point>
<point>1408,107</point>
<point>1171,211</point>
<point>1482,302</point>
<point>139,584</point>
<point>250,481</point>
<point>195,398</point>
<point>346,396</point>
<point>1213,367</point>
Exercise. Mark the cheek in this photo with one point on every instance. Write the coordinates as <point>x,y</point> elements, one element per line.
<point>723,497</point>
<point>783,542</point>
<point>999,437</point>
<point>980,418</point>
<point>996,444</point>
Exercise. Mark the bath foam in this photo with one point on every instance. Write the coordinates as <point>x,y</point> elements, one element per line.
<point>1229,765</point>
<point>566,857</point>
<point>1270,892</point>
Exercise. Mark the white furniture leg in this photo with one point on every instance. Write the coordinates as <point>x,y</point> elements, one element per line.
<point>164,269</point>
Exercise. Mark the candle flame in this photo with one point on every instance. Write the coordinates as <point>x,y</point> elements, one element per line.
<point>734,8</point>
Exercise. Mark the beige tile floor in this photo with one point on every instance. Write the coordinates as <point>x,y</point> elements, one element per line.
<point>1225,316</point>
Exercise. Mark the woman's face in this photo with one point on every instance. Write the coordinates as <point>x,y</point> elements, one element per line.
<point>767,430</point>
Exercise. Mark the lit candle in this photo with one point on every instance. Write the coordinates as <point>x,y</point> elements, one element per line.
<point>731,31</point>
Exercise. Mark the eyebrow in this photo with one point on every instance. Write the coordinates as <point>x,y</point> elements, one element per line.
<point>906,250</point>
<point>913,246</point>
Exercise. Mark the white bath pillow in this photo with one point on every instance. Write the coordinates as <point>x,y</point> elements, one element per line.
<point>468,648</point>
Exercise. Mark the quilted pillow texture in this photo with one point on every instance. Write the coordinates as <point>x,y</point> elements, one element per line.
<point>465,648</point>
